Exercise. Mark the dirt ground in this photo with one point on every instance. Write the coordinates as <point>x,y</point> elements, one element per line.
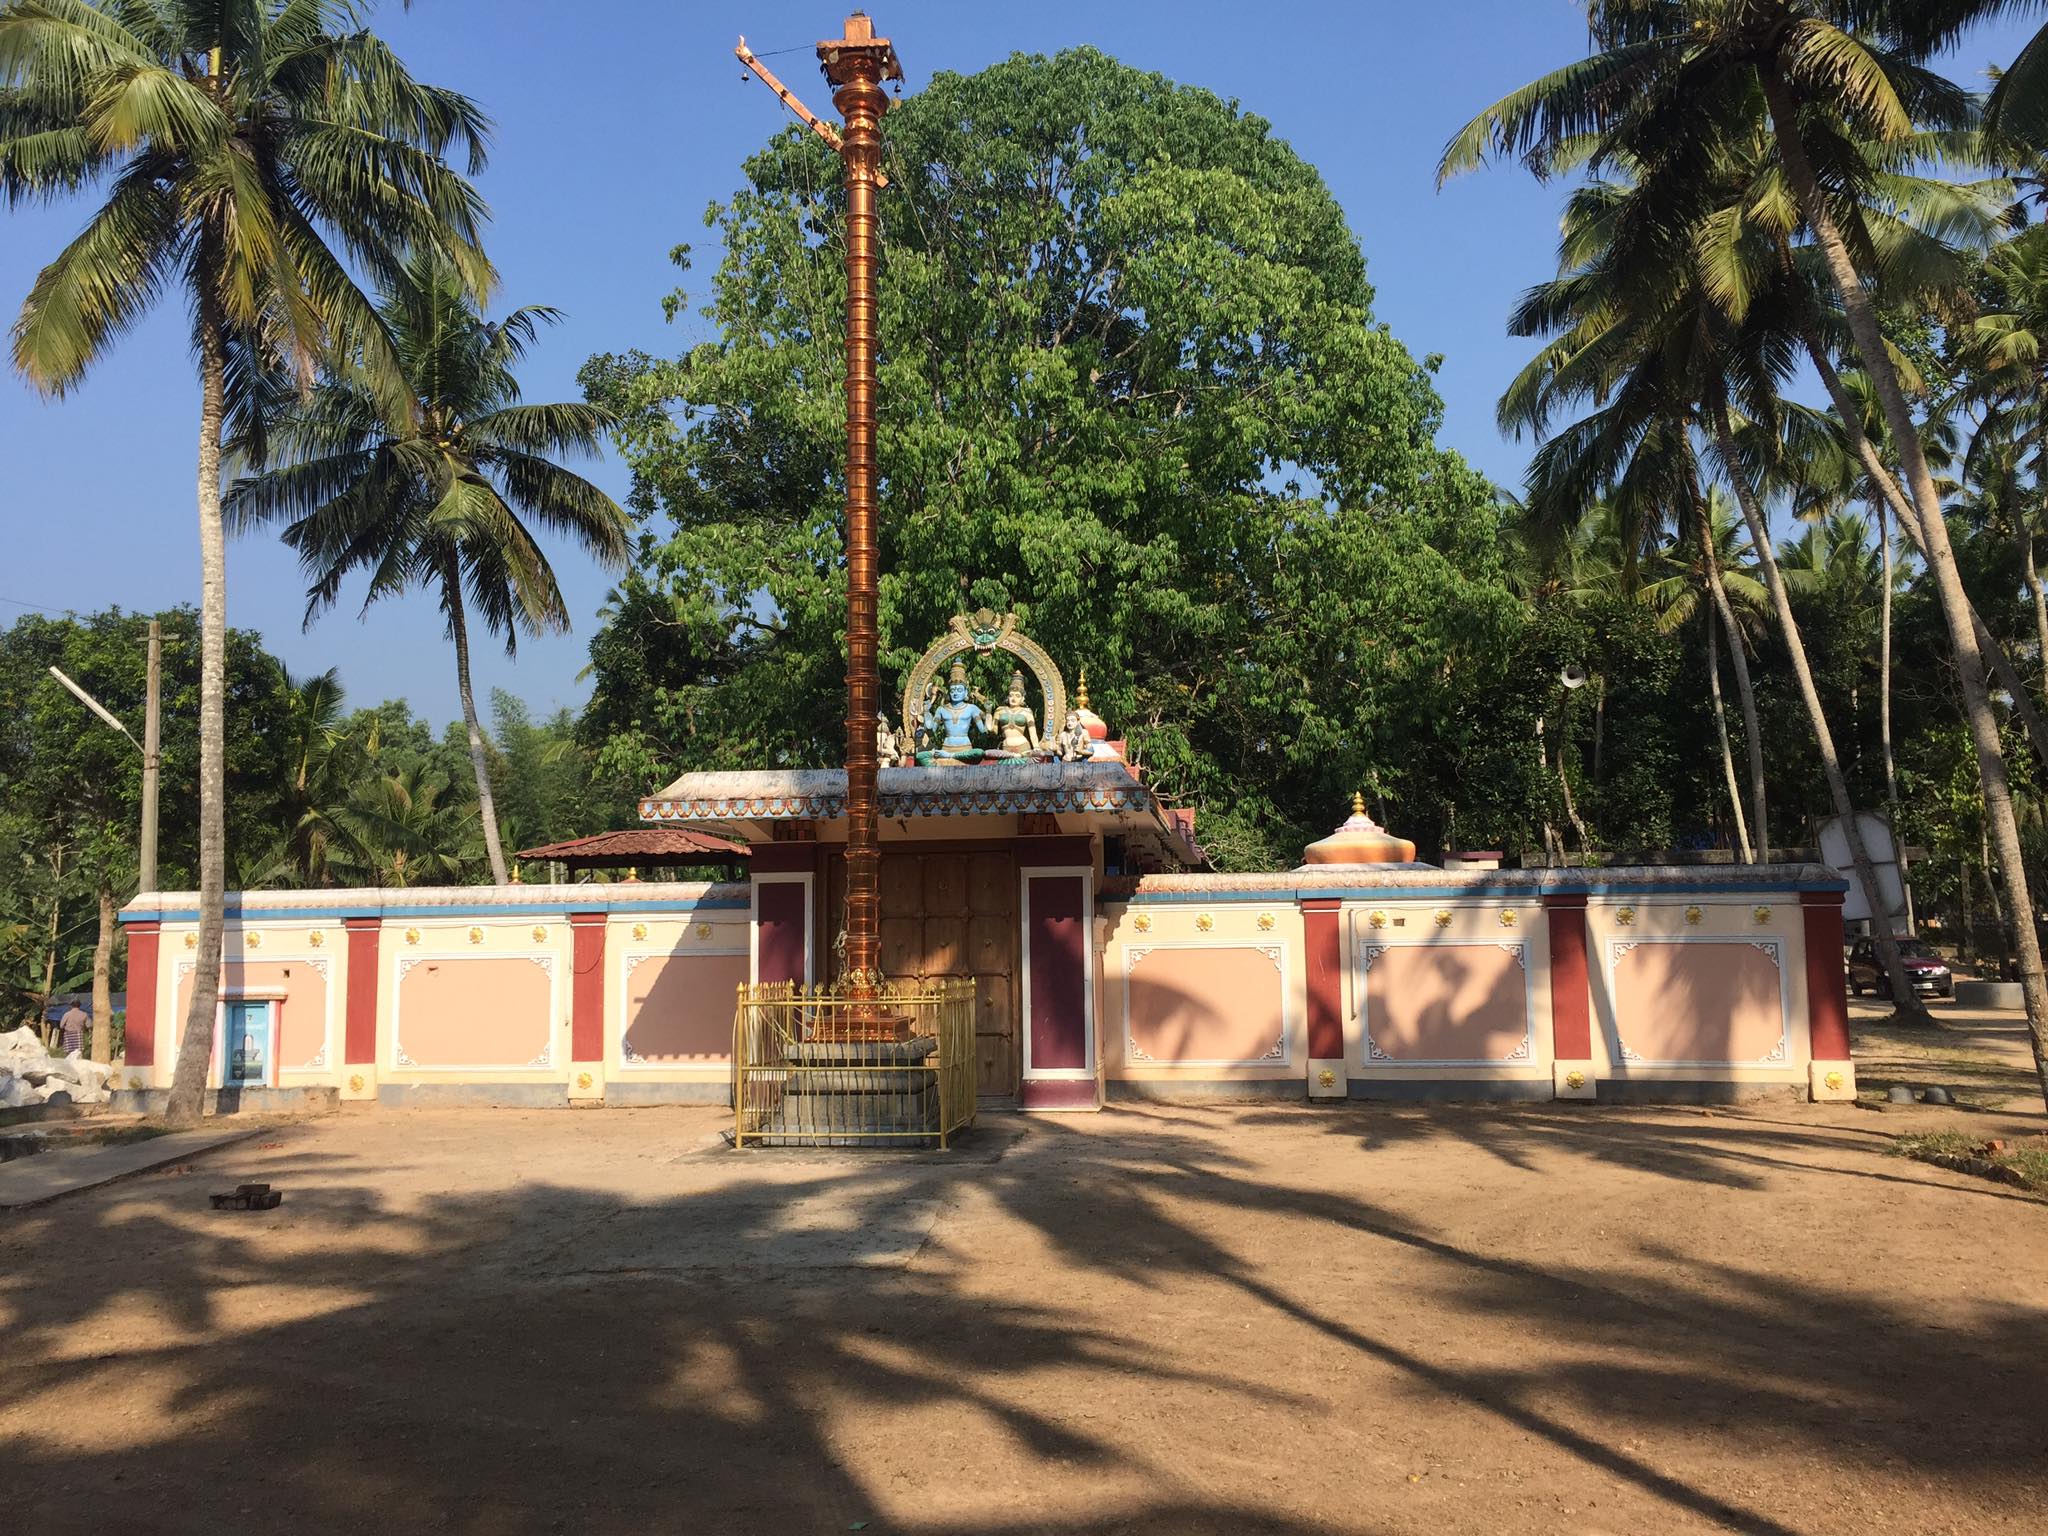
<point>1165,1320</point>
<point>1981,1055</point>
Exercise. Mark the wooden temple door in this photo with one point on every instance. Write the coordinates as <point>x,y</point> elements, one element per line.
<point>954,913</point>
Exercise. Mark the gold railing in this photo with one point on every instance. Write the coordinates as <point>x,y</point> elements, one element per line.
<point>812,1067</point>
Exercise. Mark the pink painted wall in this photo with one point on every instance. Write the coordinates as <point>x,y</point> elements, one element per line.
<point>475,1012</point>
<point>1210,1005</point>
<point>679,1008</point>
<point>302,1022</point>
<point>1447,1002</point>
<point>1698,1002</point>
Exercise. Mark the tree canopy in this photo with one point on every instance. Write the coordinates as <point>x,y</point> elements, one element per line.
<point>1132,388</point>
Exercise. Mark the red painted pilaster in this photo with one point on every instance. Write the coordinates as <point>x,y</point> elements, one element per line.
<point>1827,1002</point>
<point>586,993</point>
<point>1571,1005</point>
<point>359,1030</point>
<point>1325,954</point>
<point>139,1047</point>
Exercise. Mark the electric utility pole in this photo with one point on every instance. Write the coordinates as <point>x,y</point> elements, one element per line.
<point>856,65</point>
<point>150,747</point>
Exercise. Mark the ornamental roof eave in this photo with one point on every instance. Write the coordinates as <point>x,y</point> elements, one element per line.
<point>1104,793</point>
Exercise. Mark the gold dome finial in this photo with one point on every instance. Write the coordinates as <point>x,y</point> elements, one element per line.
<point>1081,690</point>
<point>1357,803</point>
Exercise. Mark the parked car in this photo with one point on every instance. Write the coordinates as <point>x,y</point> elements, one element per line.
<point>1929,972</point>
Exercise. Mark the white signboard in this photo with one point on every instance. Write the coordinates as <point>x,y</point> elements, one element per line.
<point>1884,857</point>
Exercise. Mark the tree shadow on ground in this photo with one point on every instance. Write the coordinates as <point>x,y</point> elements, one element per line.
<point>551,1357</point>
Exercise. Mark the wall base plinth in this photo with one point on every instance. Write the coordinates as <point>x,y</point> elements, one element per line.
<point>1832,1082</point>
<point>1575,1080</point>
<point>586,1083</point>
<point>360,1082</point>
<point>1061,1093</point>
<point>1329,1081</point>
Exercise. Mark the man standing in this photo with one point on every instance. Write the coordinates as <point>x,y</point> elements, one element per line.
<point>71,1030</point>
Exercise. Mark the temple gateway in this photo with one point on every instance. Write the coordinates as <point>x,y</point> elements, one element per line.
<point>1035,891</point>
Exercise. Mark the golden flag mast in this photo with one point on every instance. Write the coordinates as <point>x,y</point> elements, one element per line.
<point>856,65</point>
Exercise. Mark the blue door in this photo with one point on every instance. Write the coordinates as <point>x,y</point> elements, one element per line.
<point>249,1037</point>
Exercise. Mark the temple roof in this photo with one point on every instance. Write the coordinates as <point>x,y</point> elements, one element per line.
<point>634,847</point>
<point>1093,795</point>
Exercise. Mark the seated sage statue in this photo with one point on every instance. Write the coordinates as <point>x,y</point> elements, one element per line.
<point>1017,723</point>
<point>887,752</point>
<point>955,721</point>
<point>1073,744</point>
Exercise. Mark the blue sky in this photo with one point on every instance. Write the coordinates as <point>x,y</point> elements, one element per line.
<point>619,120</point>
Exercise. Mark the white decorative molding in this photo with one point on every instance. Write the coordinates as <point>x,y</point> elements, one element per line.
<point>1781,1050</point>
<point>321,965</point>
<point>1521,1054</point>
<point>403,965</point>
<point>619,1023</point>
<point>1276,1054</point>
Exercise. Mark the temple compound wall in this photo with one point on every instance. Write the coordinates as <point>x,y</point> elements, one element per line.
<point>1319,984</point>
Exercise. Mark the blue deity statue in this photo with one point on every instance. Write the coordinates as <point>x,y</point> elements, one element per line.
<point>954,721</point>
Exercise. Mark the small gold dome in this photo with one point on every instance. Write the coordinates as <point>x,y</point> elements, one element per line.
<point>1360,840</point>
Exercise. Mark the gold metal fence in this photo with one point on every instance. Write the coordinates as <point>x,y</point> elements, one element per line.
<point>814,1067</point>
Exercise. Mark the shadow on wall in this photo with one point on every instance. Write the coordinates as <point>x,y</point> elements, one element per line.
<point>1224,1004</point>
<point>509,1362</point>
<point>1687,1001</point>
<point>1461,1000</point>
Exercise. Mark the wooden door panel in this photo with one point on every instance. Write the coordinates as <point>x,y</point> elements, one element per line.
<point>991,944</point>
<point>945,884</point>
<point>992,883</point>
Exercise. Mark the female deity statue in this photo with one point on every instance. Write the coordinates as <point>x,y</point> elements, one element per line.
<point>955,721</point>
<point>1016,721</point>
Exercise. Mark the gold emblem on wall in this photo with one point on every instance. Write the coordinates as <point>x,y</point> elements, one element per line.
<point>1575,1079</point>
<point>1377,919</point>
<point>583,1081</point>
<point>253,939</point>
<point>1625,915</point>
<point>1762,914</point>
<point>1204,922</point>
<point>703,930</point>
<point>1265,922</point>
<point>1326,1078</point>
<point>412,935</point>
<point>355,1082</point>
<point>1443,917</point>
<point>639,930</point>
<point>1509,917</point>
<point>1834,1081</point>
<point>191,941</point>
<point>476,935</point>
<point>316,938</point>
<point>540,934</point>
<point>1693,916</point>
<point>1142,922</point>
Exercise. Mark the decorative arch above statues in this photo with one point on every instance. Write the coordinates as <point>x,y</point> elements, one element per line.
<point>982,633</point>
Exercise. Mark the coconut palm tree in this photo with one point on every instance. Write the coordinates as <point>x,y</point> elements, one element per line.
<point>408,828</point>
<point>251,152</point>
<point>445,492</point>
<point>1667,87</point>
<point>1654,345</point>
<point>323,764</point>
<point>1683,573</point>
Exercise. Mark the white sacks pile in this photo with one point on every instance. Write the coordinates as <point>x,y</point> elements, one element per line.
<point>29,1074</point>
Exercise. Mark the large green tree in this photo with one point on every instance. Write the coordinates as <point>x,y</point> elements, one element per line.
<point>248,151</point>
<point>1132,388</point>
